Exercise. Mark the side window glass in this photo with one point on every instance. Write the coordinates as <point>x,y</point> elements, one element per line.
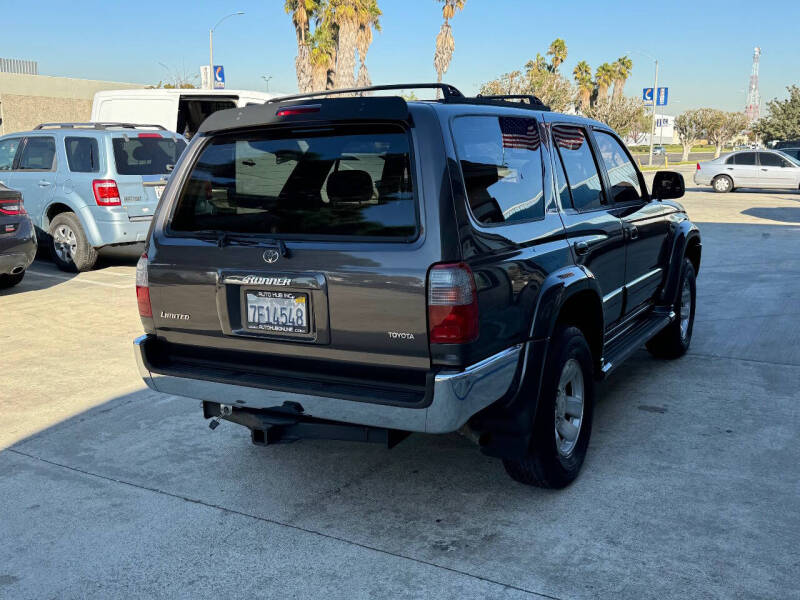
<point>731,160</point>
<point>38,154</point>
<point>82,154</point>
<point>770,160</point>
<point>562,184</point>
<point>746,158</point>
<point>8,150</point>
<point>582,174</point>
<point>622,175</point>
<point>501,160</point>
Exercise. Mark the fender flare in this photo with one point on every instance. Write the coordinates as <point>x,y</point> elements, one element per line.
<point>685,235</point>
<point>556,290</point>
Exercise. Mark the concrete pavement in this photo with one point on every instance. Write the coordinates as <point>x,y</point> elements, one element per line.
<point>691,488</point>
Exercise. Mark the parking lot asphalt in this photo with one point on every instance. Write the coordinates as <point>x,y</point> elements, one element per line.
<point>691,488</point>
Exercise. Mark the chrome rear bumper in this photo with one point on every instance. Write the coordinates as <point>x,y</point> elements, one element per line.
<point>457,395</point>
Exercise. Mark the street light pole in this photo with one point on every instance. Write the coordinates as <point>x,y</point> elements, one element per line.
<point>653,124</point>
<point>211,48</point>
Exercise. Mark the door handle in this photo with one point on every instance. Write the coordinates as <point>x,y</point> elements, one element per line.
<point>581,248</point>
<point>44,183</point>
<point>764,169</point>
<point>633,232</point>
<point>729,168</point>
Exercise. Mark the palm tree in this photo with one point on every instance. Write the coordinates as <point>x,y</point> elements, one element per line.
<point>622,69</point>
<point>558,50</point>
<point>583,79</point>
<point>302,12</point>
<point>323,55</point>
<point>604,77</point>
<point>368,21</point>
<point>445,44</point>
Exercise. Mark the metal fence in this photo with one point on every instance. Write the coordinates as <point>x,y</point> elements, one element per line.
<point>22,67</point>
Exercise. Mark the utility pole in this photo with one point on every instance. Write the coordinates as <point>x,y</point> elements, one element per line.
<point>653,124</point>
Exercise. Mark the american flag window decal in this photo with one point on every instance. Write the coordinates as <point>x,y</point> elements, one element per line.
<point>520,133</point>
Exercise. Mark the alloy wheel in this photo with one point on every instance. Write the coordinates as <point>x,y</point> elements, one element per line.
<point>569,407</point>
<point>65,243</point>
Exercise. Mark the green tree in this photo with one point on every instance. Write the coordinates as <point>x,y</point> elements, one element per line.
<point>558,52</point>
<point>625,116</point>
<point>622,70</point>
<point>369,20</point>
<point>551,88</point>
<point>783,120</point>
<point>445,43</point>
<point>689,128</point>
<point>583,79</point>
<point>719,127</point>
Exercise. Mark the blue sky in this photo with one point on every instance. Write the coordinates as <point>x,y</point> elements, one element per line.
<point>705,48</point>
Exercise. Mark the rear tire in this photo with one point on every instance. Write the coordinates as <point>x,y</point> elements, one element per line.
<point>555,458</point>
<point>70,248</point>
<point>673,341</point>
<point>722,184</point>
<point>8,281</point>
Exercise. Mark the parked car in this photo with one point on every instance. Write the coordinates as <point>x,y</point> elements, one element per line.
<point>89,185</point>
<point>17,238</point>
<point>361,268</point>
<point>659,150</point>
<point>793,152</point>
<point>174,109</point>
<point>767,169</point>
<point>786,144</point>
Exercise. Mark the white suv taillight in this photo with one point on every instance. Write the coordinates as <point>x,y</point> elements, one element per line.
<point>143,288</point>
<point>106,192</point>
<point>452,304</point>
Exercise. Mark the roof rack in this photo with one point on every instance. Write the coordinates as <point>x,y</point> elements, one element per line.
<point>98,126</point>
<point>525,99</point>
<point>448,91</point>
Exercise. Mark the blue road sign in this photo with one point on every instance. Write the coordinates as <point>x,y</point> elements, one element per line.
<point>662,97</point>
<point>647,95</point>
<point>219,77</point>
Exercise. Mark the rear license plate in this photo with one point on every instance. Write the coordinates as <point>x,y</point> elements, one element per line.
<point>282,312</point>
<point>159,190</point>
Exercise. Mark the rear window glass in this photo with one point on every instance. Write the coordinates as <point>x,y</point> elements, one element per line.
<point>146,155</point>
<point>502,165</point>
<point>82,154</point>
<point>326,182</point>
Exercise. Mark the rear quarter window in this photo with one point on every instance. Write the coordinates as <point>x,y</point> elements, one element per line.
<point>82,154</point>
<point>501,163</point>
<point>341,182</point>
<point>146,155</point>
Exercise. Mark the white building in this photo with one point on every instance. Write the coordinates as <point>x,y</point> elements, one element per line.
<point>664,132</point>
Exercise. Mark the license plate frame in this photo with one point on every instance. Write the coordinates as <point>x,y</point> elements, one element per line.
<point>283,323</point>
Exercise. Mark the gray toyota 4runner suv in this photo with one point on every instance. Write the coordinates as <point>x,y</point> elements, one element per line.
<point>364,267</point>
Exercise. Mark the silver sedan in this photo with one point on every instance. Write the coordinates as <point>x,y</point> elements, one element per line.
<point>768,169</point>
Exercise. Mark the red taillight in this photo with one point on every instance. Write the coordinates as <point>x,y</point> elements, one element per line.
<point>143,288</point>
<point>12,206</point>
<point>698,166</point>
<point>297,110</point>
<point>106,192</point>
<point>150,135</point>
<point>452,304</point>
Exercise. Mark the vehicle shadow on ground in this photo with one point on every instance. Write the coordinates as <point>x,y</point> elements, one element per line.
<point>784,214</point>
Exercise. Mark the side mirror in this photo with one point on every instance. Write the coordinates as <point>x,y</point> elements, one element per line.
<point>668,185</point>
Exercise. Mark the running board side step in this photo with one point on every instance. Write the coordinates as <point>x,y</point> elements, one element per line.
<point>285,424</point>
<point>633,339</point>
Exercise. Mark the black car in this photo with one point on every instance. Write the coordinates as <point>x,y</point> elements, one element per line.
<point>17,238</point>
<point>364,267</point>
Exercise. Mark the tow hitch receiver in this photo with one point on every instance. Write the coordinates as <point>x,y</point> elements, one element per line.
<point>286,423</point>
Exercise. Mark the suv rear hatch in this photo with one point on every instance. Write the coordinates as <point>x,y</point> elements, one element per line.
<point>301,250</point>
<point>143,162</point>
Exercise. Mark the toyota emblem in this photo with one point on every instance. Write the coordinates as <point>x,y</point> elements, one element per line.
<point>271,256</point>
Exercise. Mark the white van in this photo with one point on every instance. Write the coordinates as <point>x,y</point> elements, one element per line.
<point>175,109</point>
